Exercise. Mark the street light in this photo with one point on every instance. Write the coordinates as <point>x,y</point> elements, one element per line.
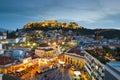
<point>63,43</point>
<point>77,74</point>
<point>49,43</point>
<point>34,44</point>
<point>61,63</point>
<point>28,44</point>
<point>54,43</point>
<point>62,69</point>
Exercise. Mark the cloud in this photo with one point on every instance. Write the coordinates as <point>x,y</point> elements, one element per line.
<point>77,10</point>
<point>75,15</point>
<point>83,10</point>
<point>86,11</point>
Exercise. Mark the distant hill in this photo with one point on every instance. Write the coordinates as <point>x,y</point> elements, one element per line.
<point>3,30</point>
<point>53,24</point>
<point>107,33</point>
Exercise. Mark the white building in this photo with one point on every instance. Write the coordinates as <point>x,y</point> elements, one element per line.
<point>0,46</point>
<point>16,40</point>
<point>94,67</point>
<point>12,41</point>
<point>3,36</point>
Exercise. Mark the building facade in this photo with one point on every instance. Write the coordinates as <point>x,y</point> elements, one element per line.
<point>95,68</point>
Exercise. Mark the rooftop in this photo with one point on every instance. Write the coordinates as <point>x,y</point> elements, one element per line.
<point>49,49</point>
<point>6,77</point>
<point>34,56</point>
<point>114,44</point>
<point>4,60</point>
<point>43,45</point>
<point>114,69</point>
<point>115,65</point>
<point>77,51</point>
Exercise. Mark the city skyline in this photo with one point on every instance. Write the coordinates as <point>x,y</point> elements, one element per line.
<point>87,13</point>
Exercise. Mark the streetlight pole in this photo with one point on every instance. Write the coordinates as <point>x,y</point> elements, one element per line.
<point>62,68</point>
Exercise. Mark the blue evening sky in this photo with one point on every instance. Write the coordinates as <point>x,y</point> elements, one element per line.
<point>87,13</point>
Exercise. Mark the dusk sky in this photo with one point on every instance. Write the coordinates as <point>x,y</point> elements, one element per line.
<point>87,13</point>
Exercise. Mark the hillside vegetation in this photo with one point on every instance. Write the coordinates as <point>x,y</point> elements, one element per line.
<point>53,24</point>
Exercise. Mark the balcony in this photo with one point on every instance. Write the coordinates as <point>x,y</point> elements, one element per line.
<point>100,70</point>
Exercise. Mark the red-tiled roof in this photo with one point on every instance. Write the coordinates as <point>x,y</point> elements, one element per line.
<point>116,45</point>
<point>4,60</point>
<point>77,51</point>
<point>43,45</point>
<point>26,56</point>
<point>49,49</point>
<point>34,56</point>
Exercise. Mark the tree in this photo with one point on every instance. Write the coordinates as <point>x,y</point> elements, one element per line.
<point>17,30</point>
<point>11,35</point>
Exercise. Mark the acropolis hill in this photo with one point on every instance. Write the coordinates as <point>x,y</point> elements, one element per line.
<point>52,24</point>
